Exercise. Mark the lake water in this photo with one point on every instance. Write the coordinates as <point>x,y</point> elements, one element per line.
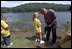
<point>24,20</point>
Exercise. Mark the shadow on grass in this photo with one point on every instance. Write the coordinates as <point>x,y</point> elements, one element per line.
<point>32,38</point>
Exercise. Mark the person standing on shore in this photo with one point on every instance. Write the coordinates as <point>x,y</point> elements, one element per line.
<point>37,26</point>
<point>50,21</point>
<point>5,33</point>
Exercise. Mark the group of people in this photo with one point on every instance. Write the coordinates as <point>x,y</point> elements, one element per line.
<point>50,25</point>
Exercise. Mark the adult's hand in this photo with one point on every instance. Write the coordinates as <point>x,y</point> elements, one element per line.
<point>49,25</point>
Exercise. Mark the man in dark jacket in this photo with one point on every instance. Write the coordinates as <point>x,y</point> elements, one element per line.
<point>50,21</point>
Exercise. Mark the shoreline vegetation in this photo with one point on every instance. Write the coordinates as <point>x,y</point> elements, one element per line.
<point>32,7</point>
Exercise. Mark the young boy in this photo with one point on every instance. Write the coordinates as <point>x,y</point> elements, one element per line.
<point>5,33</point>
<point>37,25</point>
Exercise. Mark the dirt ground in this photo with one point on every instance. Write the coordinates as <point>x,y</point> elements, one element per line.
<point>26,39</point>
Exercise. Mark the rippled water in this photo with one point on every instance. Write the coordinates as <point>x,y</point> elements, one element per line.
<point>24,20</point>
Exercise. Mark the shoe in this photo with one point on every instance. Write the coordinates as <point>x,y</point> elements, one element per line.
<point>36,40</point>
<point>45,35</point>
<point>41,42</point>
<point>10,45</point>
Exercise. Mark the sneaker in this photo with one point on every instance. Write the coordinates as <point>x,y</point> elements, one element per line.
<point>36,40</point>
<point>45,35</point>
<point>41,42</point>
<point>10,45</point>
